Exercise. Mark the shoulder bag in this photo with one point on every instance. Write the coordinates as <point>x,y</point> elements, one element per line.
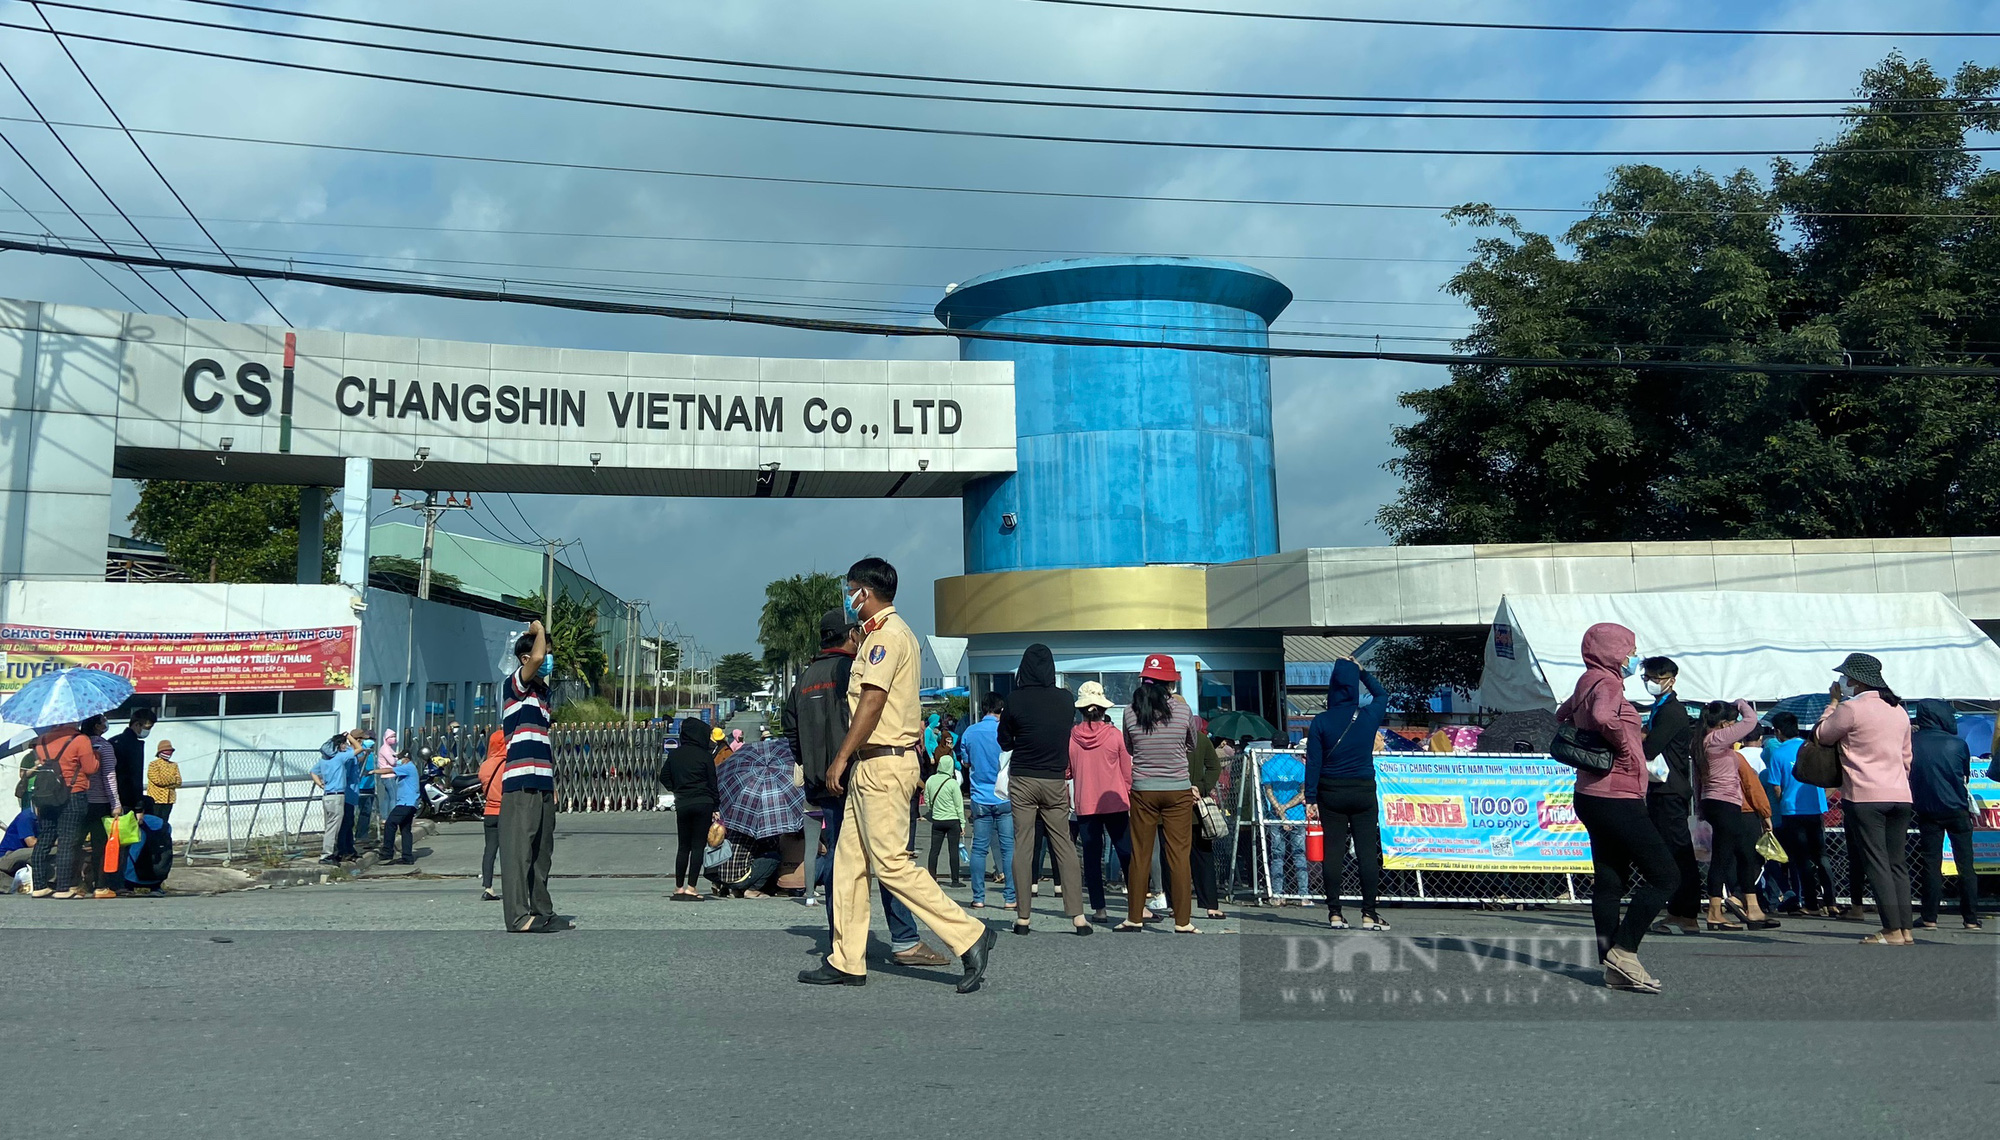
<point>1209,818</point>
<point>1584,749</point>
<point>1817,764</point>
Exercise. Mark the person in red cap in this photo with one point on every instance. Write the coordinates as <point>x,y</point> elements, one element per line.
<point>1159,733</point>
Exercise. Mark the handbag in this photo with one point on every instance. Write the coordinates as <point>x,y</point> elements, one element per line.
<point>1000,777</point>
<point>1817,764</point>
<point>1584,749</point>
<point>716,856</point>
<point>1209,818</point>
<point>1772,850</point>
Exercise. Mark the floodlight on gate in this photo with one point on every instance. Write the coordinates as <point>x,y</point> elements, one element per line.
<point>224,444</point>
<point>423,454</point>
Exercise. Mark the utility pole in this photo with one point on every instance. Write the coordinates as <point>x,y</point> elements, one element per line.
<point>549,584</point>
<point>432,510</point>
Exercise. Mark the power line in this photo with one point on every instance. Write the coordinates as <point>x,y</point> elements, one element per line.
<point>1095,89</point>
<point>1380,21</point>
<point>867,328</point>
<point>50,232</point>
<point>1083,195</point>
<point>920,96</point>
<point>318,256</point>
<point>102,192</point>
<point>960,132</point>
<point>117,118</point>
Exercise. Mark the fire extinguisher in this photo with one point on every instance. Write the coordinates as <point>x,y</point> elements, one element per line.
<point>1315,842</point>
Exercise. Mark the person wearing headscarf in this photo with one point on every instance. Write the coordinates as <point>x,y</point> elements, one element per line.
<point>381,772</point>
<point>1612,808</point>
<point>402,817</point>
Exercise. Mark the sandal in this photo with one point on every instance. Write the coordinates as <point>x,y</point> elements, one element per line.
<point>1335,922</point>
<point>1725,927</point>
<point>1879,938</point>
<point>1216,914</point>
<point>1188,929</point>
<point>1764,924</point>
<point>1373,922</point>
<point>1128,927</point>
<point>1022,928</point>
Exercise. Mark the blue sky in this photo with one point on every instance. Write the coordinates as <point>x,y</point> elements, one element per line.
<point>1333,419</point>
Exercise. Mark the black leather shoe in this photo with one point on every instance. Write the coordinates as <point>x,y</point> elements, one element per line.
<point>975,962</point>
<point>826,975</point>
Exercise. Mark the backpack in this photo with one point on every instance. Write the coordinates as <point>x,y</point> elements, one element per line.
<point>153,861</point>
<point>49,791</point>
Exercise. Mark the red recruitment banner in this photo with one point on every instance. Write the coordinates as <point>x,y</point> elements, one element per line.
<point>289,659</point>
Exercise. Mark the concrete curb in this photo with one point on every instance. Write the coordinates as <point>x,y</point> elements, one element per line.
<point>313,873</point>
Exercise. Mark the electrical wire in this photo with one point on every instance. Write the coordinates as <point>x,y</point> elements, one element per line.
<point>907,77</point>
<point>930,96</point>
<point>102,192</point>
<point>865,328</point>
<point>1083,195</point>
<point>962,132</point>
<point>34,170</point>
<point>1382,21</point>
<point>119,119</point>
<point>50,232</point>
<point>539,539</point>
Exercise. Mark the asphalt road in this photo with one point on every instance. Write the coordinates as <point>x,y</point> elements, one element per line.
<point>398,1008</point>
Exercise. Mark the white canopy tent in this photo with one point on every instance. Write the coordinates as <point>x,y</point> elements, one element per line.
<point>1740,644</point>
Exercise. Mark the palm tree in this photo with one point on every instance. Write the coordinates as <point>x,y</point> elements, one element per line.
<point>788,629</point>
<point>574,639</point>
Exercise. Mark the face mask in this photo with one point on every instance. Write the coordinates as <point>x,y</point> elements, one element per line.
<point>1655,689</point>
<point>1632,664</point>
<point>548,668</point>
<point>1848,689</point>
<point>850,605</point>
<point>143,733</point>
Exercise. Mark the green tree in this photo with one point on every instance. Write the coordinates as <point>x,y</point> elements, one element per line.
<point>575,639</point>
<point>738,675</point>
<point>400,566</point>
<point>230,532</point>
<point>788,629</point>
<point>1882,249</point>
<point>1413,669</point>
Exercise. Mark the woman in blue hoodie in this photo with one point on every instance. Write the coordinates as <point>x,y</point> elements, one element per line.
<point>1340,778</point>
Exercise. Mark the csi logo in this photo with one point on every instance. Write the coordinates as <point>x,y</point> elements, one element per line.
<point>206,384</point>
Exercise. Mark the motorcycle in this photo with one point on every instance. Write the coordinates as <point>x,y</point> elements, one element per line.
<point>448,798</point>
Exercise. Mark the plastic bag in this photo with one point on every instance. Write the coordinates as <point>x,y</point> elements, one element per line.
<point>1703,835</point>
<point>1772,850</point>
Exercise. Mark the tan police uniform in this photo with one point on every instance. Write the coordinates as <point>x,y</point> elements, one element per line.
<point>880,781</point>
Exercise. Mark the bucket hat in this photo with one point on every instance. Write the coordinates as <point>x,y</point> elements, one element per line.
<point>1863,668</point>
<point>1160,667</point>
<point>1090,695</point>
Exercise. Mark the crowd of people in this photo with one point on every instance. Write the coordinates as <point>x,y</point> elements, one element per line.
<point>94,819</point>
<point>1669,765</point>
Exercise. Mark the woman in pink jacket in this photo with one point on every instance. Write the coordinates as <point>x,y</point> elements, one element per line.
<point>1612,808</point>
<point>1866,719</point>
<point>1101,769</point>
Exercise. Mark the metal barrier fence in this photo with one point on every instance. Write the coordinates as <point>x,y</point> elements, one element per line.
<point>599,767</point>
<point>1495,887</point>
<point>257,802</point>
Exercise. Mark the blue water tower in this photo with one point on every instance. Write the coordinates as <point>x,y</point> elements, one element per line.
<point>1126,456</point>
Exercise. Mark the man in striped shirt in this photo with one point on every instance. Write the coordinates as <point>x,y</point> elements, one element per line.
<point>528,790</point>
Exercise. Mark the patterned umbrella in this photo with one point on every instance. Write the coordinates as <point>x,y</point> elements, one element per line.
<point>65,697</point>
<point>758,798</point>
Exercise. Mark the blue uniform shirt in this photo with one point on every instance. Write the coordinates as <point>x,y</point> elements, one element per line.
<point>406,784</point>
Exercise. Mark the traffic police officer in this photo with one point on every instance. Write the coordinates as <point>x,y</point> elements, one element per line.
<point>877,764</point>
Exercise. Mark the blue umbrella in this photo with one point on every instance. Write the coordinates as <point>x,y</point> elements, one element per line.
<point>65,697</point>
